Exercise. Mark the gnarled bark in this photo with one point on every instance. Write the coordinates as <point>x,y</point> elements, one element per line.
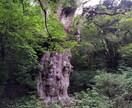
<point>53,80</point>
<point>54,77</point>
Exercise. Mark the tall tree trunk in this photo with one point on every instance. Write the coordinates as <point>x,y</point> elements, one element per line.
<point>54,77</point>
<point>53,80</point>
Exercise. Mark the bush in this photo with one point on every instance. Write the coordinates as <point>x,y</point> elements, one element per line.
<point>110,91</point>
<point>117,87</point>
<point>92,99</point>
<point>26,102</point>
<point>81,80</point>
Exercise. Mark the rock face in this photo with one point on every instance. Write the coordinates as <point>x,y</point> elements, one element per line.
<point>54,77</point>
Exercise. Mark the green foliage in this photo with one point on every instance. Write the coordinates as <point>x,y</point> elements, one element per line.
<point>27,102</point>
<point>126,21</point>
<point>127,50</point>
<point>25,64</point>
<point>21,32</point>
<point>117,87</point>
<point>56,28</point>
<point>57,33</point>
<point>81,80</point>
<point>107,36</point>
<point>82,56</point>
<point>110,90</point>
<point>102,7</point>
<point>92,99</point>
<point>110,84</point>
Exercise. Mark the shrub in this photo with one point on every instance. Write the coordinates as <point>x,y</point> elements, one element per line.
<point>117,87</point>
<point>110,91</point>
<point>27,102</point>
<point>81,80</point>
<point>92,99</point>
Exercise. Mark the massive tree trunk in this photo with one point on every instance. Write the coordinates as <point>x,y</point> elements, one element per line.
<point>53,80</point>
<point>54,77</point>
